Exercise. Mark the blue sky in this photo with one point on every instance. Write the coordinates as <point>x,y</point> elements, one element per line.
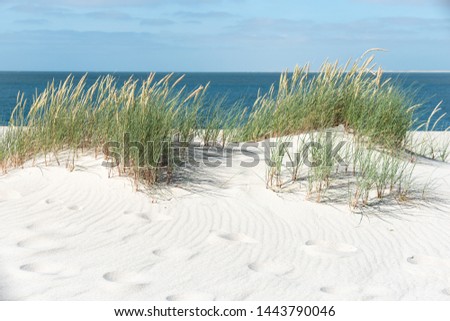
<point>220,35</point>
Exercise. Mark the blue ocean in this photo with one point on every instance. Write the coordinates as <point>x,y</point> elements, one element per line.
<point>429,88</point>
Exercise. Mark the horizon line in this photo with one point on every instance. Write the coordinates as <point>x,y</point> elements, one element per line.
<point>186,72</point>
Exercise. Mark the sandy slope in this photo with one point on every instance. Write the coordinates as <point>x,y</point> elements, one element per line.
<point>222,235</point>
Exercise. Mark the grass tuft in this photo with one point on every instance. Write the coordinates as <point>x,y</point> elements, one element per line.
<point>154,118</point>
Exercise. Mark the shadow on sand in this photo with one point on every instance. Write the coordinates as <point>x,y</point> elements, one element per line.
<point>194,176</point>
<point>194,173</point>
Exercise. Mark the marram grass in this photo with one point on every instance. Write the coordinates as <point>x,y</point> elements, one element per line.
<point>70,117</point>
<point>354,95</point>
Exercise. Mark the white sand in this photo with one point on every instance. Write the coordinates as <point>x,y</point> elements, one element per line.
<point>81,236</point>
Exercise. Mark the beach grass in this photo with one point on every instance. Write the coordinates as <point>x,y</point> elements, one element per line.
<point>354,95</point>
<point>429,144</point>
<point>71,117</point>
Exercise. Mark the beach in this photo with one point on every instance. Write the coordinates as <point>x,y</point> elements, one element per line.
<point>219,235</point>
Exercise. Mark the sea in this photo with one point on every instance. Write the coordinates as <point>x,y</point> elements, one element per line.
<point>429,88</point>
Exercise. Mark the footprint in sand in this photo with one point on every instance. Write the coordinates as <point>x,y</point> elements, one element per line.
<point>49,269</point>
<point>74,208</point>
<point>216,236</point>
<point>127,278</point>
<point>423,264</point>
<point>175,253</point>
<point>51,201</point>
<point>430,261</point>
<point>341,290</point>
<point>43,205</point>
<point>40,243</point>
<point>325,248</point>
<point>272,267</point>
<point>43,268</point>
<point>191,296</point>
<point>8,195</point>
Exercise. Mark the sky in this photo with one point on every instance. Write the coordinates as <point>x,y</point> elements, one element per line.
<point>220,35</point>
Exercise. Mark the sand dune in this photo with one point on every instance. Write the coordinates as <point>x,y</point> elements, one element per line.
<point>219,236</point>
